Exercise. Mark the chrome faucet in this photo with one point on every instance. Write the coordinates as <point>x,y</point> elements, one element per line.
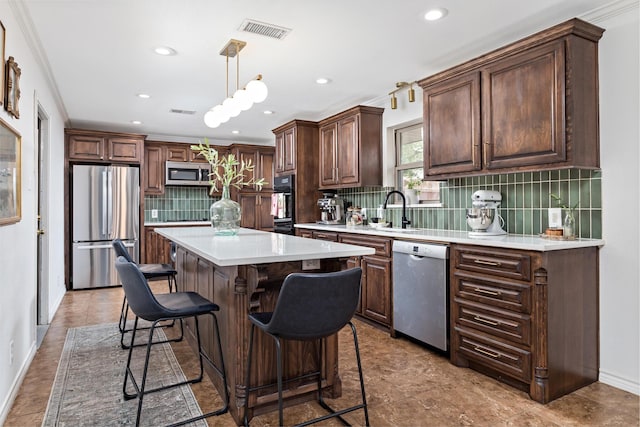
<point>405,221</point>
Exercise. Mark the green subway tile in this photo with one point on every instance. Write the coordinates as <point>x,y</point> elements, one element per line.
<point>535,195</point>
<point>519,177</point>
<point>519,221</point>
<point>519,196</point>
<point>527,195</point>
<point>596,195</point>
<point>503,179</point>
<point>596,174</point>
<point>544,176</point>
<point>574,193</point>
<point>555,175</point>
<point>536,221</point>
<point>584,230</point>
<point>596,224</point>
<point>527,222</point>
<point>574,174</point>
<point>564,174</point>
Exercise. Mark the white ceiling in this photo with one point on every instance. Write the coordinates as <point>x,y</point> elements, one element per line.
<point>101,55</point>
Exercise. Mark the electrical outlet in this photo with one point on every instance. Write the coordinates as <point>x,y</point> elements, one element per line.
<point>11,352</point>
<point>154,213</point>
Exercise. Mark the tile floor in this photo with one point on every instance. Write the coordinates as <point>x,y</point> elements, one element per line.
<point>407,385</point>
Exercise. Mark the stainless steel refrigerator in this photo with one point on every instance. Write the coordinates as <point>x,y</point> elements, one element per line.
<point>106,201</point>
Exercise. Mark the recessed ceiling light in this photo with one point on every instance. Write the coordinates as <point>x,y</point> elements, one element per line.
<point>143,96</point>
<point>164,50</point>
<point>435,14</point>
<point>323,80</point>
<point>235,132</point>
<point>136,122</point>
<point>267,112</point>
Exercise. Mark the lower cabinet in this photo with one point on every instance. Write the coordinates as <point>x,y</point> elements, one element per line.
<point>256,211</point>
<point>157,247</point>
<point>377,273</point>
<point>529,319</point>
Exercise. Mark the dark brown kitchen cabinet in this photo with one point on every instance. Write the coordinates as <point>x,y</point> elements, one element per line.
<point>153,170</point>
<point>375,295</point>
<point>329,236</point>
<point>177,153</point>
<point>262,159</point>
<point>103,147</point>
<point>529,319</point>
<point>256,211</point>
<point>285,151</point>
<point>530,105</point>
<point>350,148</point>
<point>157,248</point>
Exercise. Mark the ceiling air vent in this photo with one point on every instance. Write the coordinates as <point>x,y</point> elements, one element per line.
<point>264,29</point>
<point>178,111</point>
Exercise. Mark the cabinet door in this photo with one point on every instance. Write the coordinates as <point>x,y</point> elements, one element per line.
<point>279,162</point>
<point>289,147</point>
<point>125,150</point>
<point>248,210</point>
<point>177,154</point>
<point>348,150</point>
<point>328,141</point>
<point>83,147</point>
<point>150,245</point>
<point>153,169</point>
<point>247,154</point>
<point>523,108</point>
<point>376,289</point>
<point>264,169</point>
<point>264,219</point>
<point>452,126</point>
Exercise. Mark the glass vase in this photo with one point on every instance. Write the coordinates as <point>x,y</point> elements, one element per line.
<point>569,225</point>
<point>225,215</point>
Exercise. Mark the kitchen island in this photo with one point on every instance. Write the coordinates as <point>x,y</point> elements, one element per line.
<point>243,274</point>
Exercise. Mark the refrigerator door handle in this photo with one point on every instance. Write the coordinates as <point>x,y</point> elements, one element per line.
<point>104,203</point>
<point>110,201</point>
<point>105,246</point>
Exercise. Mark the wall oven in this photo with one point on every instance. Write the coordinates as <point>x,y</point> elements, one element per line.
<point>184,173</point>
<point>283,204</point>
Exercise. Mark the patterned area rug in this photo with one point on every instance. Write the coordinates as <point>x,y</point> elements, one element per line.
<point>88,384</point>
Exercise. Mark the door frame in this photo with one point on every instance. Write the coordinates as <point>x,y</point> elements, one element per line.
<point>42,136</point>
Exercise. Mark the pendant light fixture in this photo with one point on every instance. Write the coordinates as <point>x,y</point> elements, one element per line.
<point>243,98</point>
<point>399,86</point>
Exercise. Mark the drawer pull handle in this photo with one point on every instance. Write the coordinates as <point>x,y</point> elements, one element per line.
<point>488,292</point>
<point>487,352</point>
<point>487,321</point>
<point>483,262</point>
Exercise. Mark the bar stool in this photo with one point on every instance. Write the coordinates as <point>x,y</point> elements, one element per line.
<point>156,308</point>
<point>311,306</point>
<point>150,272</point>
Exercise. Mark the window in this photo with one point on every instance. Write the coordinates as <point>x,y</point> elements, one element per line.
<point>409,167</point>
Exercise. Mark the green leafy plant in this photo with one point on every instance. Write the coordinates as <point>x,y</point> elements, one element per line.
<point>226,170</point>
<point>560,203</point>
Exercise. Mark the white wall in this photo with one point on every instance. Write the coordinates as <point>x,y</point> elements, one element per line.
<point>620,157</point>
<point>18,241</point>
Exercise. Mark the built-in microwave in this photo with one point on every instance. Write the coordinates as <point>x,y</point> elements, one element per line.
<point>183,173</point>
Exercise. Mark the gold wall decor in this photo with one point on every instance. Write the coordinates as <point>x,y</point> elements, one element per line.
<point>12,90</point>
<point>10,173</point>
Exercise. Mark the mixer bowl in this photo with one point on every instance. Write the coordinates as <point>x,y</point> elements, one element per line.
<point>479,219</point>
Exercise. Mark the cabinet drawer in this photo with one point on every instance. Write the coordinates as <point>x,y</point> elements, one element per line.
<point>501,323</point>
<point>381,245</point>
<point>325,235</point>
<point>509,360</point>
<point>511,264</point>
<point>492,291</point>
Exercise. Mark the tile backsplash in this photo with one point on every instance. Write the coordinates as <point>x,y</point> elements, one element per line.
<point>179,204</point>
<point>525,200</point>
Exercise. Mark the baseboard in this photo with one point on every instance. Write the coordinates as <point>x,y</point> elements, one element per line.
<point>618,382</point>
<point>15,387</point>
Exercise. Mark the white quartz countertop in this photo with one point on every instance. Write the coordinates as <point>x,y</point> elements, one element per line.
<point>256,247</point>
<point>510,241</point>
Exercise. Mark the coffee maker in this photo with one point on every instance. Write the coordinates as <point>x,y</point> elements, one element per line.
<point>331,209</point>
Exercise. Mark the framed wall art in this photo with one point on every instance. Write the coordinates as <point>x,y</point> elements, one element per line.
<point>10,173</point>
<point>12,88</point>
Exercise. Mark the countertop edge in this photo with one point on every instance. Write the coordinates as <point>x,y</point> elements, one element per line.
<point>510,241</point>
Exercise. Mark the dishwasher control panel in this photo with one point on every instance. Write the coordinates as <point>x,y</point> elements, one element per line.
<point>421,249</point>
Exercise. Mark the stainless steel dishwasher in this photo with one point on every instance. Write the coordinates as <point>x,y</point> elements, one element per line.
<point>420,292</point>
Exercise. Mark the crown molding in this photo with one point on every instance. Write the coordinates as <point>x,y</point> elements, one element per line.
<point>608,11</point>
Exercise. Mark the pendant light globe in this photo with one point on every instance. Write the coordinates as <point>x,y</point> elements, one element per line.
<point>257,90</point>
<point>243,99</point>
<point>211,119</point>
<point>230,107</point>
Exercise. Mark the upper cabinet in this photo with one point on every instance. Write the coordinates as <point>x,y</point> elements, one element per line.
<point>350,148</point>
<point>297,155</point>
<point>262,159</point>
<point>103,147</point>
<point>530,105</point>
